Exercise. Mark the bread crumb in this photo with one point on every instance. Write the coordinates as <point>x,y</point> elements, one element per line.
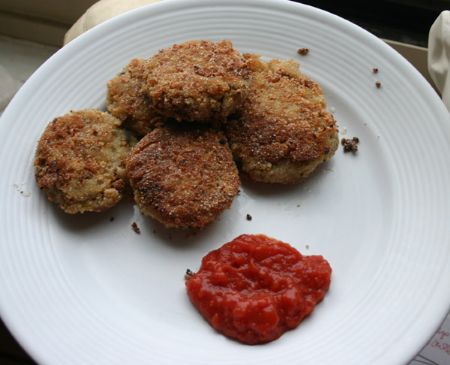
<point>189,274</point>
<point>350,145</point>
<point>135,228</point>
<point>303,51</point>
<point>249,217</point>
<point>20,188</point>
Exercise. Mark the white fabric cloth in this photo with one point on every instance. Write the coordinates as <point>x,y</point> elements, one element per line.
<point>8,88</point>
<point>101,11</point>
<point>439,55</point>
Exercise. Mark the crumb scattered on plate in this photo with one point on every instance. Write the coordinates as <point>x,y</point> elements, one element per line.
<point>135,228</point>
<point>189,273</point>
<point>350,145</point>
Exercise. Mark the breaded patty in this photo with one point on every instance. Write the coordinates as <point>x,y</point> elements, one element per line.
<point>284,131</point>
<point>80,161</point>
<point>183,176</point>
<point>198,81</point>
<point>128,102</point>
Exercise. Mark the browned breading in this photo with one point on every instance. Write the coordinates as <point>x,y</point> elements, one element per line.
<point>80,161</point>
<point>284,131</point>
<point>183,176</point>
<point>198,81</point>
<point>127,102</point>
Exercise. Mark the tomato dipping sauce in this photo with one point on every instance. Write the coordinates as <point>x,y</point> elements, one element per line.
<point>255,288</point>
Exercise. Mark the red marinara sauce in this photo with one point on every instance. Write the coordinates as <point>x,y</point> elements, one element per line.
<point>255,288</point>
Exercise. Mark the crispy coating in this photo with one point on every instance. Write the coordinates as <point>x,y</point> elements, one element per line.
<point>198,81</point>
<point>80,161</point>
<point>127,102</point>
<point>284,131</point>
<point>183,176</point>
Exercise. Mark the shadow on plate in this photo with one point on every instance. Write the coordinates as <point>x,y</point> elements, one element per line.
<point>177,238</point>
<point>86,221</point>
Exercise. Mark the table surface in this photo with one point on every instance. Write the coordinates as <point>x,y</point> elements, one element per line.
<point>10,350</point>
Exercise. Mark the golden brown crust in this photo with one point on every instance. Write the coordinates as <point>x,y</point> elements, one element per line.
<point>127,102</point>
<point>197,81</point>
<point>183,176</point>
<point>284,131</point>
<point>80,163</point>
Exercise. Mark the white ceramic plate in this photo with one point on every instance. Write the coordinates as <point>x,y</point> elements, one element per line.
<point>84,290</point>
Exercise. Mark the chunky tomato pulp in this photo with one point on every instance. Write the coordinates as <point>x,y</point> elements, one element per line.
<point>255,288</point>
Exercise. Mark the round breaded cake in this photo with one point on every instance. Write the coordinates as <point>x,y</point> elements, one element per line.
<point>128,102</point>
<point>198,81</point>
<point>284,131</point>
<point>183,176</point>
<point>80,161</point>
